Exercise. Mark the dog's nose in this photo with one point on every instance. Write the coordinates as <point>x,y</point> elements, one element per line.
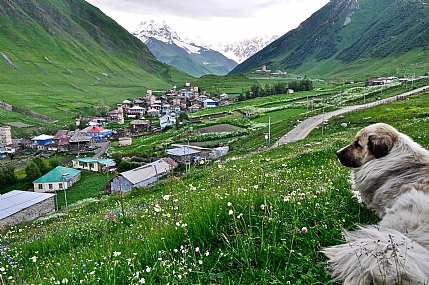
<point>339,153</point>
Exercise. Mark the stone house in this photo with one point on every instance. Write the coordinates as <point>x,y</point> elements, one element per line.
<point>21,206</point>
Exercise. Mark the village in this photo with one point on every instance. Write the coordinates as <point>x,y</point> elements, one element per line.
<point>90,145</point>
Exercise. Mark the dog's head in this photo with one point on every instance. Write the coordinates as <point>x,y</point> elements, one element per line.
<point>372,142</point>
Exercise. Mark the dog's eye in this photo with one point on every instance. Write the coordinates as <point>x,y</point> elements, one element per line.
<point>357,145</point>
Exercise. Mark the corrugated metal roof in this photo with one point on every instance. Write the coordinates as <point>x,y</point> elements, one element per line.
<point>149,170</point>
<point>42,138</point>
<point>182,151</point>
<point>107,162</point>
<point>15,201</point>
<point>58,174</point>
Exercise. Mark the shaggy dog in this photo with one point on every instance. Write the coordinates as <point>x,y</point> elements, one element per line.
<point>391,172</point>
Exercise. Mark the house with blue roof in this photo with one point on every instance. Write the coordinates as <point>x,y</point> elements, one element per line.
<point>59,178</point>
<point>96,165</point>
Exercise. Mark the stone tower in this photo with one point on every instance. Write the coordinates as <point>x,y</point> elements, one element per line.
<point>5,135</point>
<point>120,114</point>
<point>196,93</point>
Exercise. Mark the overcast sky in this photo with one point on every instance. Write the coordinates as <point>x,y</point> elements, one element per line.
<point>213,20</point>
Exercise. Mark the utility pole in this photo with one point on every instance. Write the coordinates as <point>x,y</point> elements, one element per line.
<point>269,130</point>
<point>323,120</point>
<point>306,112</point>
<point>65,196</point>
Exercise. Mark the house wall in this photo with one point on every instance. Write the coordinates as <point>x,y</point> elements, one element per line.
<point>45,207</point>
<point>124,185</point>
<point>90,166</point>
<point>55,185</point>
<point>121,184</point>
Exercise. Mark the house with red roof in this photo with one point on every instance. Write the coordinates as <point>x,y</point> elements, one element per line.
<point>99,133</point>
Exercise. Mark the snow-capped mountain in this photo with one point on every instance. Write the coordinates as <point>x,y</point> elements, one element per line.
<point>195,55</point>
<point>168,47</point>
<point>239,51</point>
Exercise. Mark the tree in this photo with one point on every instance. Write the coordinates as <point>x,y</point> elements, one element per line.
<point>126,165</point>
<point>7,175</point>
<point>54,162</point>
<point>33,172</point>
<point>43,165</point>
<point>117,158</point>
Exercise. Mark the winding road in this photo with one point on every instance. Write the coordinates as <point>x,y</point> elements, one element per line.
<point>302,130</point>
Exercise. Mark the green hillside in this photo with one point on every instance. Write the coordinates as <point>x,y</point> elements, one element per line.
<point>352,39</point>
<point>66,58</point>
<point>260,218</point>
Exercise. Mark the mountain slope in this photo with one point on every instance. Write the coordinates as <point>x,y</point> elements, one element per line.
<point>169,48</point>
<point>65,58</point>
<point>345,38</point>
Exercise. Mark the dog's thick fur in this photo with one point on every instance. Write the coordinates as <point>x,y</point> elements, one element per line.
<point>391,172</point>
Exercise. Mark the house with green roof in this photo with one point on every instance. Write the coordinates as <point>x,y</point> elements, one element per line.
<point>59,178</point>
<point>96,165</point>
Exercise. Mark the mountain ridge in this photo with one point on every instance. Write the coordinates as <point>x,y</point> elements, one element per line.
<point>206,57</point>
<point>365,34</point>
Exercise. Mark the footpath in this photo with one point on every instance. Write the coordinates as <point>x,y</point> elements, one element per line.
<point>302,130</point>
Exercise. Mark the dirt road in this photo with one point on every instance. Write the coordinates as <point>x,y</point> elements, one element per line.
<point>302,130</point>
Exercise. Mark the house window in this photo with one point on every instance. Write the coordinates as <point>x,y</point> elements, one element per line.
<point>40,186</point>
<point>60,185</point>
<point>51,186</point>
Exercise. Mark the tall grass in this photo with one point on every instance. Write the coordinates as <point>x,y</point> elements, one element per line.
<point>256,220</point>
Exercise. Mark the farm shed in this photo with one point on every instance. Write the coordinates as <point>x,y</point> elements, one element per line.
<point>183,153</point>
<point>21,206</point>
<point>142,176</point>
<point>125,141</point>
<point>59,178</point>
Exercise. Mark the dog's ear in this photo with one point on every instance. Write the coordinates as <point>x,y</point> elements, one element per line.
<point>380,145</point>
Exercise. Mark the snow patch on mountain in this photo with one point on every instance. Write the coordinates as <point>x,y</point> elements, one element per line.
<point>238,51</point>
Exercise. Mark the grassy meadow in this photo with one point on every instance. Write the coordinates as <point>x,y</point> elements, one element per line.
<point>258,218</point>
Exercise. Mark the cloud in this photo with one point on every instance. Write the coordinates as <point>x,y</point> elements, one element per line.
<point>197,9</point>
<point>213,19</point>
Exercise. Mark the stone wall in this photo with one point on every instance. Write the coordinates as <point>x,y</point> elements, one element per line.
<point>45,207</point>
